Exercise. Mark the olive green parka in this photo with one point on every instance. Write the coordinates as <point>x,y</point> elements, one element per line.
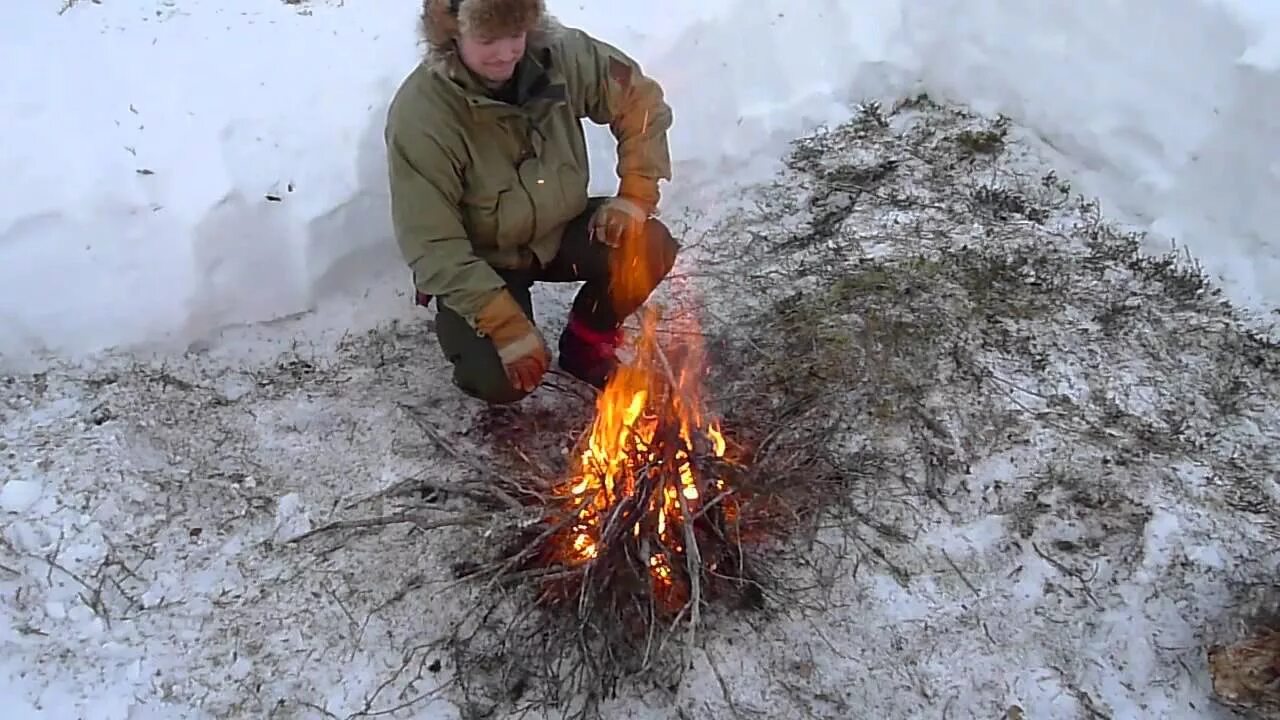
<point>479,183</point>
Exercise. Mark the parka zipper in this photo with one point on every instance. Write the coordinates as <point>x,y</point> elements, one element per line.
<point>529,153</point>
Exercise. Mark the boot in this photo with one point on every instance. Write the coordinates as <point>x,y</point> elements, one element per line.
<point>589,354</point>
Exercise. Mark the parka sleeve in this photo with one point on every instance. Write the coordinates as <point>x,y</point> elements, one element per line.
<point>426,192</point>
<point>611,89</point>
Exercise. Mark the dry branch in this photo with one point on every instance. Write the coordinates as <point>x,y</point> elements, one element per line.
<point>496,481</point>
<point>419,521</point>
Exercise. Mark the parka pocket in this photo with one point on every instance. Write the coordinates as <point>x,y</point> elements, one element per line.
<point>573,185</point>
<point>480,218</point>
<point>513,219</point>
<point>569,197</point>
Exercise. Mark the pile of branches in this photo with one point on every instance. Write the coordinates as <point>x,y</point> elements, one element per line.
<point>608,554</point>
<point>609,587</point>
<point>591,584</point>
<point>557,593</point>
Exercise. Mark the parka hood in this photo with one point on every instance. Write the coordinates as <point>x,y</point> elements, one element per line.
<point>443,20</point>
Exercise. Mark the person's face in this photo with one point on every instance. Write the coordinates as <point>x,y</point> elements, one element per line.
<point>493,59</point>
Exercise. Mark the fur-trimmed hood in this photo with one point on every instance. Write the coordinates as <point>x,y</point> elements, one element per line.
<point>439,26</point>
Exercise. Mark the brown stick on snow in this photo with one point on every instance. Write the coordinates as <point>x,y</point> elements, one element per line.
<point>422,523</point>
<point>496,480</point>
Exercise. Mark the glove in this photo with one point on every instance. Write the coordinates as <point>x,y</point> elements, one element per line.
<point>617,218</point>
<point>520,345</point>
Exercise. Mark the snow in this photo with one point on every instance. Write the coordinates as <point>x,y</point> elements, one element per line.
<point>18,496</point>
<point>207,176</point>
<point>1162,108</point>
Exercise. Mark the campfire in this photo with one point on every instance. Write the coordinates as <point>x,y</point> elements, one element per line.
<point>649,520</point>
<point>655,514</point>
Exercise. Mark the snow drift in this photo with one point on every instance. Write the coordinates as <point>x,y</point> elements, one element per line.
<point>177,168</point>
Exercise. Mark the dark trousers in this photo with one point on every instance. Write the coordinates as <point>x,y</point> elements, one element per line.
<point>617,282</point>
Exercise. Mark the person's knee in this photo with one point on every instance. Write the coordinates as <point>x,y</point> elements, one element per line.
<point>662,247</point>
<point>490,385</point>
<point>477,369</point>
<point>504,395</point>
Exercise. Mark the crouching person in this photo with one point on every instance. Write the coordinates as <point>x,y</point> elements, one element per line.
<point>488,178</point>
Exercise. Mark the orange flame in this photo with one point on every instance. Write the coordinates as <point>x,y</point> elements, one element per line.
<point>649,419</point>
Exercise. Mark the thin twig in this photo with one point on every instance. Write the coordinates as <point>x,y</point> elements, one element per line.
<point>1069,572</point>
<point>693,554</point>
<point>479,492</point>
<point>724,687</point>
<point>963,579</point>
<point>420,521</point>
<point>431,432</point>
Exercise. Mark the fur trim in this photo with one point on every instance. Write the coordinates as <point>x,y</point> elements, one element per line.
<point>497,18</point>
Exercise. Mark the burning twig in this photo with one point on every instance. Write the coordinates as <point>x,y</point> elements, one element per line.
<point>694,559</point>
<point>644,496</point>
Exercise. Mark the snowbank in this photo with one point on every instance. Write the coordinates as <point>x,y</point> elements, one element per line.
<point>1165,108</point>
<point>180,167</point>
<point>150,156</point>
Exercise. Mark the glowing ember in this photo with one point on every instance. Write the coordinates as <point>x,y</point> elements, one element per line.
<point>650,482</point>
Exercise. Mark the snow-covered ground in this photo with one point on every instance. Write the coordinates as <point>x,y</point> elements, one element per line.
<point>207,176</point>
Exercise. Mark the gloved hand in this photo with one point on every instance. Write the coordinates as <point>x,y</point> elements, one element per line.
<point>617,218</point>
<point>520,345</point>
